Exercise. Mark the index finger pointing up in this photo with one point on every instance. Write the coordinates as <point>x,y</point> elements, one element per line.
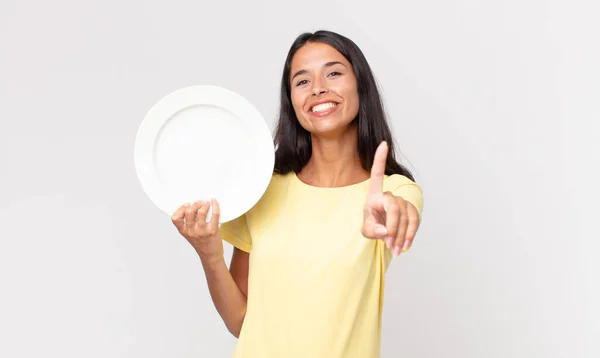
<point>378,169</point>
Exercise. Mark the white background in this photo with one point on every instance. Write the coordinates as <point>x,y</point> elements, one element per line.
<point>494,105</point>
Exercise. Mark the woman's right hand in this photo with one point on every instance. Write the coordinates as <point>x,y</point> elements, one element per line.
<point>190,221</point>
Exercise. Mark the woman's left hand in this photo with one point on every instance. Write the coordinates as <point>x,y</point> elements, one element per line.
<point>386,216</point>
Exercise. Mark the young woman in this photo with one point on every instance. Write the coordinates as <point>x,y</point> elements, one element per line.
<point>307,274</point>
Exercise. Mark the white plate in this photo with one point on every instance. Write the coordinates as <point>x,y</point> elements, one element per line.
<point>203,142</point>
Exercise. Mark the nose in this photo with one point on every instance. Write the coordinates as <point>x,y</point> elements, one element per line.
<point>318,88</point>
<point>319,91</point>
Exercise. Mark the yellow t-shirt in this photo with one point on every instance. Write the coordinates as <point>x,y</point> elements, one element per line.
<point>315,284</point>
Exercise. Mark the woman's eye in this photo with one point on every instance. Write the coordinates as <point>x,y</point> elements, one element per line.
<point>300,83</point>
<point>334,73</point>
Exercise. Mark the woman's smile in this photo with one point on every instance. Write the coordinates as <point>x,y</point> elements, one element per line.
<point>323,109</point>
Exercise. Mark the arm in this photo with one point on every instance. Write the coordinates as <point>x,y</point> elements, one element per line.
<point>229,288</point>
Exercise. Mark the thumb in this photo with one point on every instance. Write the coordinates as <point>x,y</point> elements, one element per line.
<point>373,230</point>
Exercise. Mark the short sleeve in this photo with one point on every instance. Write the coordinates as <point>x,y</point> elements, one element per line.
<point>237,234</point>
<point>409,191</point>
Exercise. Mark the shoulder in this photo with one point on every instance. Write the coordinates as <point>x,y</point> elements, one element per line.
<point>278,183</point>
<point>396,181</point>
<point>277,189</point>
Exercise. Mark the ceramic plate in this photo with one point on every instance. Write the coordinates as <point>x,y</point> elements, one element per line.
<point>203,142</point>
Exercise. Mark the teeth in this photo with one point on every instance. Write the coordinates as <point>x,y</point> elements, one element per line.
<point>323,107</point>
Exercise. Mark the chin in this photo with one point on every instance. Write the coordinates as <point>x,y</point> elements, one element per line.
<point>328,128</point>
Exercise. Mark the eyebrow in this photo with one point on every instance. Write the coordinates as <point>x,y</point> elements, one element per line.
<point>328,64</point>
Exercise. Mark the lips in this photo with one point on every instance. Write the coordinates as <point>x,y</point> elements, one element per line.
<point>323,109</point>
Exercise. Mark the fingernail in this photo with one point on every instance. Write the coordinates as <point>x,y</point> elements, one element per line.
<point>380,232</point>
<point>406,246</point>
<point>396,251</point>
<point>388,242</point>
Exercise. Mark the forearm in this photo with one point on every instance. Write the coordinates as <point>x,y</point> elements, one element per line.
<point>229,301</point>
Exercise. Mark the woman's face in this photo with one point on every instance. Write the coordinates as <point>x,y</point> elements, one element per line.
<point>323,90</point>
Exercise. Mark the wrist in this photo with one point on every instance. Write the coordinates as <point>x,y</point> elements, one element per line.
<point>210,260</point>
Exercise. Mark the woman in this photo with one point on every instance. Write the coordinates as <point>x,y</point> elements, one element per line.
<point>307,274</point>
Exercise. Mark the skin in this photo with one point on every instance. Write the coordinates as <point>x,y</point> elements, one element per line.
<point>319,73</point>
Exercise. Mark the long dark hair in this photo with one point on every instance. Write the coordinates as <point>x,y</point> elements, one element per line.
<point>293,142</point>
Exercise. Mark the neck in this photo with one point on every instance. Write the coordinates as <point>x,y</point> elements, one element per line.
<point>334,162</point>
